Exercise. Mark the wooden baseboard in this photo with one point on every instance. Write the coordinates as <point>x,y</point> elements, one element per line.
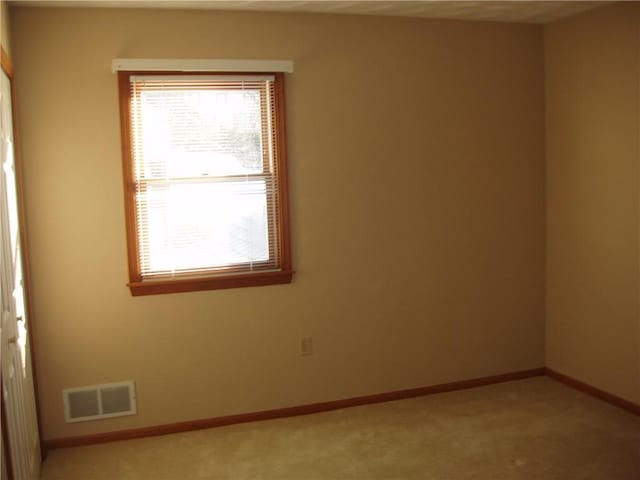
<point>285,412</point>
<point>593,391</point>
<point>336,405</point>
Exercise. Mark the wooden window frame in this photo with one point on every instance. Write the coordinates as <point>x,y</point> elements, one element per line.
<point>205,281</point>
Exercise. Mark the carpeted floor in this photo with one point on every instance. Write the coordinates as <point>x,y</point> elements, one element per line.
<point>528,429</point>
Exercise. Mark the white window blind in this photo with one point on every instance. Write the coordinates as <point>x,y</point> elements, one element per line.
<point>205,174</point>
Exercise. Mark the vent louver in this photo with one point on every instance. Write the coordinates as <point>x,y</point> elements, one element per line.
<point>99,401</point>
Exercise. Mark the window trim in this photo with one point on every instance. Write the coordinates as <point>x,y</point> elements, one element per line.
<point>201,65</point>
<point>199,282</point>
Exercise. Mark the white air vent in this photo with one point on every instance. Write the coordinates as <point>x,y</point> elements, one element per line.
<point>99,401</point>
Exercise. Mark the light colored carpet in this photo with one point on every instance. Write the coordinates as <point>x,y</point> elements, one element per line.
<point>528,429</point>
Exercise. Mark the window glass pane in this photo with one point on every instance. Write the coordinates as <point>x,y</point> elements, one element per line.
<point>191,226</point>
<point>191,133</point>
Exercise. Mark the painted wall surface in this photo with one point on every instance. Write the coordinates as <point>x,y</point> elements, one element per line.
<point>4,27</point>
<point>417,196</point>
<point>593,133</point>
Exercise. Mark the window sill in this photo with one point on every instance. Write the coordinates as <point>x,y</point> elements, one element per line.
<point>194,284</point>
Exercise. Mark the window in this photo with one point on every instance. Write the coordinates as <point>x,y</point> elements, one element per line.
<point>205,180</point>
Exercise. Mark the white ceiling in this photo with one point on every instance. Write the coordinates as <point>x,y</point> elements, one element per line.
<point>503,11</point>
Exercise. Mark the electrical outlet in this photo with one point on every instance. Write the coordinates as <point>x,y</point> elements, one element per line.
<point>306,345</point>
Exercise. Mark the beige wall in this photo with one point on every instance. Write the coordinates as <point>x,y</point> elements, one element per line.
<point>592,122</point>
<point>4,26</point>
<point>417,197</point>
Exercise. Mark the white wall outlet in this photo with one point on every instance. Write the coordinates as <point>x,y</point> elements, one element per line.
<point>306,345</point>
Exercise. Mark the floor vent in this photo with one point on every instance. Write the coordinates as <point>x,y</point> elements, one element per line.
<point>99,401</point>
